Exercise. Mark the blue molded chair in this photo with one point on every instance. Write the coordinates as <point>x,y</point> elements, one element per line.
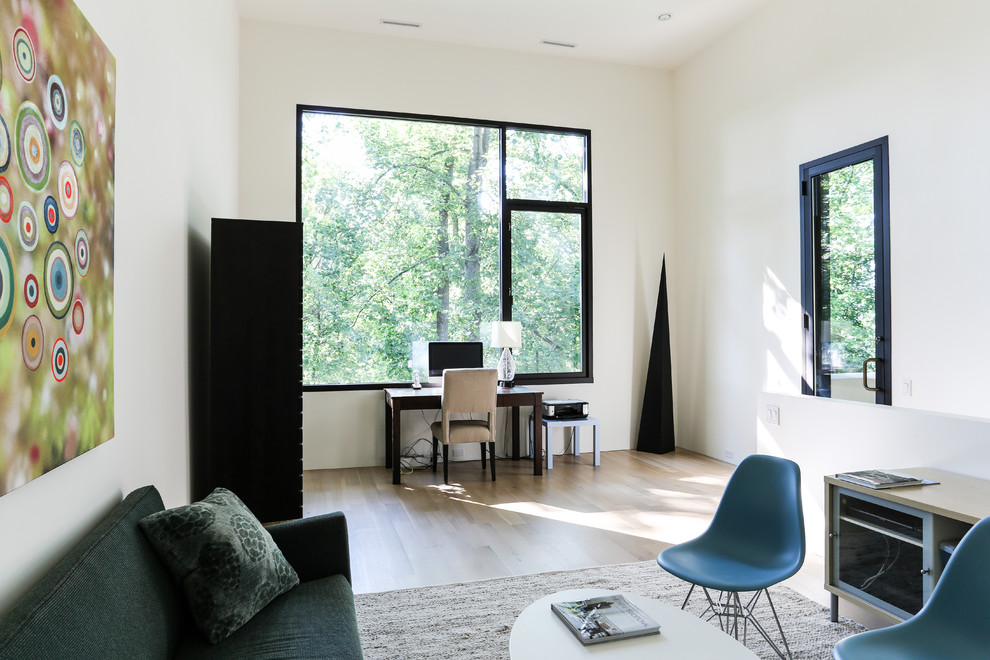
<point>952,624</point>
<point>755,540</point>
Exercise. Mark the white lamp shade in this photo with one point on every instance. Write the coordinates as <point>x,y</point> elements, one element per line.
<point>506,334</point>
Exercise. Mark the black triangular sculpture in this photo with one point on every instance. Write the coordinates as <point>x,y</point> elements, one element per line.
<point>656,425</point>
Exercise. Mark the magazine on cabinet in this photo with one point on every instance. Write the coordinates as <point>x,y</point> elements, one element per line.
<point>604,619</point>
<point>882,479</point>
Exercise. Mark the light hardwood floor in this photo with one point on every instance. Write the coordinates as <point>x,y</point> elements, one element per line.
<point>575,516</point>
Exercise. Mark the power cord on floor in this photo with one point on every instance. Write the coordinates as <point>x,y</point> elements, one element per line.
<point>411,461</point>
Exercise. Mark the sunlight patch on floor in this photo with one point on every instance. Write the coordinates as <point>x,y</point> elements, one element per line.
<point>663,526</point>
<point>450,489</point>
<point>705,481</point>
<point>679,495</point>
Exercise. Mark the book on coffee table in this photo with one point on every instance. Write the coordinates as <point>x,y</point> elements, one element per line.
<point>604,619</point>
<point>882,479</point>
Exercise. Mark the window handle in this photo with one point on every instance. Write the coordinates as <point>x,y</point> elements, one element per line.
<point>866,384</point>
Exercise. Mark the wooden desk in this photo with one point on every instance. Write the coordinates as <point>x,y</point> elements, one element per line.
<point>398,399</point>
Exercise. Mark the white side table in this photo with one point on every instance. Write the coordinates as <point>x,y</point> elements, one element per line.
<point>550,424</point>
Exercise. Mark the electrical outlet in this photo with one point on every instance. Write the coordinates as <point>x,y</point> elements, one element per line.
<point>773,415</point>
<point>906,386</point>
<point>729,454</point>
<point>457,452</point>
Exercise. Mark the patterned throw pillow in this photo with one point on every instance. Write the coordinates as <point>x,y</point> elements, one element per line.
<point>227,563</point>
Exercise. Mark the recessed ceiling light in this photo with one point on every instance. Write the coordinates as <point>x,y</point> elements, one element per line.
<point>389,21</point>
<point>562,44</point>
<point>666,16</point>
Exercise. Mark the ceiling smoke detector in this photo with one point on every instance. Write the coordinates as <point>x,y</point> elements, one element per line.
<point>561,44</point>
<point>390,21</point>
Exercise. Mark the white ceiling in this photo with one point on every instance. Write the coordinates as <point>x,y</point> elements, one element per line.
<point>617,31</point>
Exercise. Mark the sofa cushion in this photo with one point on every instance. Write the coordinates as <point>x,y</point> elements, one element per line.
<point>314,620</point>
<point>109,597</point>
<point>227,563</point>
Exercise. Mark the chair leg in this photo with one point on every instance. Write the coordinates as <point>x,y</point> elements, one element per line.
<point>491,449</point>
<point>779,627</point>
<point>729,609</point>
<point>445,462</point>
<point>690,591</point>
<point>435,443</point>
<point>482,456</point>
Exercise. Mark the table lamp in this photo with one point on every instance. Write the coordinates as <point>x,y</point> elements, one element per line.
<point>506,335</point>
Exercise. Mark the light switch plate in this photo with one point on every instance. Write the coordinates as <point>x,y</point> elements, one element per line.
<point>773,415</point>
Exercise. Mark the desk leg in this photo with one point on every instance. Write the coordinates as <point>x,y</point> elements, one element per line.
<point>515,433</point>
<point>538,435</point>
<point>388,435</point>
<point>396,437</point>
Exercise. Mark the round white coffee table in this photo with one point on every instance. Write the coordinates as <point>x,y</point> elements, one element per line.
<point>539,635</point>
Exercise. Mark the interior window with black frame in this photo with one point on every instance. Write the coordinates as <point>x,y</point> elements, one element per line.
<point>845,274</point>
<point>424,229</point>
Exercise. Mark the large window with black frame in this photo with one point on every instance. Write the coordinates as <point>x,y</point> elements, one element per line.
<point>421,229</point>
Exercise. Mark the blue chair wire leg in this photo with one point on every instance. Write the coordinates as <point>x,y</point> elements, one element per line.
<point>755,540</point>
<point>729,607</point>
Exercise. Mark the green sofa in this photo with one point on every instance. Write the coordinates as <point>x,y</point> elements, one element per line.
<point>112,597</point>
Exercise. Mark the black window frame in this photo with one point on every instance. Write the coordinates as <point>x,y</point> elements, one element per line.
<point>508,205</point>
<point>877,151</point>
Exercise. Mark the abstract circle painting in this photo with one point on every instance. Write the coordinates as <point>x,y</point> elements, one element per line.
<point>24,54</point>
<point>82,253</point>
<point>51,214</point>
<point>58,83</point>
<point>77,144</point>
<point>68,189</point>
<point>4,145</point>
<point>78,316</point>
<point>60,360</point>
<point>8,286</point>
<point>28,226</point>
<point>33,343</point>
<point>6,200</point>
<point>32,147</point>
<point>31,290</point>
<point>59,280</point>
<point>55,102</point>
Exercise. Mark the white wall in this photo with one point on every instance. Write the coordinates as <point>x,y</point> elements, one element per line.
<point>176,167</point>
<point>626,109</point>
<point>857,436</point>
<point>792,84</point>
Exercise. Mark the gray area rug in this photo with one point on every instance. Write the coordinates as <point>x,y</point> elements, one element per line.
<point>474,619</point>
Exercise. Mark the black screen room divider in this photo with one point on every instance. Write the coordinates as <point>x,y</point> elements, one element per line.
<point>254,447</point>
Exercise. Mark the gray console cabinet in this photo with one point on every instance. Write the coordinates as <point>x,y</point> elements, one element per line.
<point>886,549</point>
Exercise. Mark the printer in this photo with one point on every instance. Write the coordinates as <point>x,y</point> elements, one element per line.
<point>565,409</point>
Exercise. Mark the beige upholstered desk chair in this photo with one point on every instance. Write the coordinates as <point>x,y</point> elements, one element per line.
<point>466,391</point>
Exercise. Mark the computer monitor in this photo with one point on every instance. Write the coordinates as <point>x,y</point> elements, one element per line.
<point>454,355</point>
